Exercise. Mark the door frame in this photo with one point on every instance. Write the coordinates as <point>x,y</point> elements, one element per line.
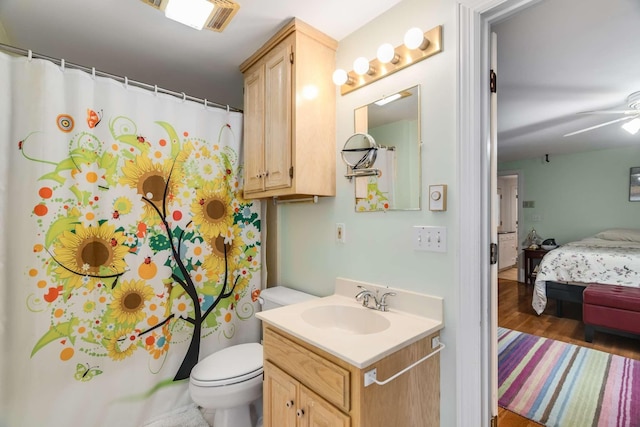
<point>473,376</point>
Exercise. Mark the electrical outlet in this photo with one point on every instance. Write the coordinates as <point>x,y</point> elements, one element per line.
<point>340,233</point>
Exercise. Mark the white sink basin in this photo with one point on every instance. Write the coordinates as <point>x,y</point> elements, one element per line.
<point>352,320</point>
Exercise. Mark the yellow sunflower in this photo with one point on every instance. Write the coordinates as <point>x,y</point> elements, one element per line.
<point>118,347</point>
<point>214,262</point>
<point>212,212</point>
<point>129,297</point>
<point>150,180</point>
<point>90,251</point>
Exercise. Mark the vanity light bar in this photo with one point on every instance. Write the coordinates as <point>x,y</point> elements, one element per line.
<point>404,56</point>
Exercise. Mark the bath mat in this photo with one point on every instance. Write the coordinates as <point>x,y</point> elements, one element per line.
<point>565,385</point>
<point>188,416</point>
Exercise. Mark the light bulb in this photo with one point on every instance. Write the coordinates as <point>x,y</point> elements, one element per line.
<point>340,77</point>
<point>387,53</point>
<point>193,13</point>
<point>414,38</point>
<point>361,65</point>
<point>632,126</point>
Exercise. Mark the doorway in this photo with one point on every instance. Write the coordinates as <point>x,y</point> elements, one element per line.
<point>509,263</point>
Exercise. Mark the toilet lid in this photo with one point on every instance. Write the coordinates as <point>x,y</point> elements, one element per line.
<point>230,365</point>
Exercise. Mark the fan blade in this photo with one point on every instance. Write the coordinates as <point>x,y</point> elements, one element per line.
<point>601,125</point>
<point>610,112</point>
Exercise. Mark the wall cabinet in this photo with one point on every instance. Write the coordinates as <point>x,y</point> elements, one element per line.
<point>289,115</point>
<point>507,250</point>
<point>305,386</point>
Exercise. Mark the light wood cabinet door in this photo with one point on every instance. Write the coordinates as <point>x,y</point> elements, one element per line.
<point>277,144</point>
<point>254,129</point>
<point>318,412</point>
<point>280,394</point>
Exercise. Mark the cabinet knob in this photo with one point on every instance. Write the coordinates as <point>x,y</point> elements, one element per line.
<point>289,404</point>
<point>266,173</point>
<point>300,412</point>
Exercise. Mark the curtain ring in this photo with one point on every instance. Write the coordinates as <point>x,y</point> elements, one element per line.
<point>155,89</point>
<point>227,108</point>
<point>126,82</point>
<point>205,103</point>
<point>30,55</point>
<point>62,64</point>
<point>93,72</point>
<point>184,96</point>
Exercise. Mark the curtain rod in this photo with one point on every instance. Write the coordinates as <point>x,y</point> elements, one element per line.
<point>154,88</point>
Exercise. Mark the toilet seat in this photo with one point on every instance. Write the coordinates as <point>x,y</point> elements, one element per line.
<point>231,365</point>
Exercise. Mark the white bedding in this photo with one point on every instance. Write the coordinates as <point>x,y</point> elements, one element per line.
<point>591,260</point>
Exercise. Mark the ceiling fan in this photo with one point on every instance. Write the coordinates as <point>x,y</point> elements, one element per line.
<point>632,113</point>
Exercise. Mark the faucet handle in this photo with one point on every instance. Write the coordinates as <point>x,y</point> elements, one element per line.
<point>364,295</point>
<point>383,300</point>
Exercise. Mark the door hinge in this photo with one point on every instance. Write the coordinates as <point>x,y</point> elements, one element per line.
<point>493,81</point>
<point>494,421</point>
<point>291,172</point>
<point>493,253</point>
<point>291,57</point>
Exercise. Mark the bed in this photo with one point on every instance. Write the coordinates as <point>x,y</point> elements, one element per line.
<point>611,257</point>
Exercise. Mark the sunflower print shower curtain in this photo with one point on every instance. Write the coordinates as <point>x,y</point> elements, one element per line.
<point>128,251</point>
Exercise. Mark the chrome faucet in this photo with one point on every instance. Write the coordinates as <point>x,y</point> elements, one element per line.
<point>365,294</point>
<point>382,305</point>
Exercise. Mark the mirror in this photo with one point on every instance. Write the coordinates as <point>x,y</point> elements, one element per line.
<point>359,153</point>
<point>394,124</point>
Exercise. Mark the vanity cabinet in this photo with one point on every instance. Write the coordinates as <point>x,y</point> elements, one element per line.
<point>289,115</point>
<point>306,386</point>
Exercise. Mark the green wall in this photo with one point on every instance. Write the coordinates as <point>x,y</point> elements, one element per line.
<point>578,195</point>
<point>379,246</point>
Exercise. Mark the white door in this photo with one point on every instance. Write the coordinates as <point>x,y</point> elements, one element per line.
<point>495,221</point>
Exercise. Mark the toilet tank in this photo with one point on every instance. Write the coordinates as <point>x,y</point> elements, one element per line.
<point>279,296</point>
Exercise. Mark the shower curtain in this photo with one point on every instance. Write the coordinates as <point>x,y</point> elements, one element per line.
<point>127,249</point>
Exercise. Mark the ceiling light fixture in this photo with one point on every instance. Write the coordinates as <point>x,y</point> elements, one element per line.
<point>193,13</point>
<point>389,59</point>
<point>391,98</point>
<point>632,126</point>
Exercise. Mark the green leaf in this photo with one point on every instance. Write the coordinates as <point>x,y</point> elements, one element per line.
<point>53,176</point>
<point>55,333</point>
<point>174,140</point>
<point>66,223</point>
<point>159,242</point>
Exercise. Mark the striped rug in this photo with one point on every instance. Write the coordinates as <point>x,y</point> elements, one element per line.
<point>565,385</point>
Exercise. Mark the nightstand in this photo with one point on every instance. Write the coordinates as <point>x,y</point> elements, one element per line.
<point>532,258</point>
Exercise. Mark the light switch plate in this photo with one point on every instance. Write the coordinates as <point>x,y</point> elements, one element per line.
<point>438,197</point>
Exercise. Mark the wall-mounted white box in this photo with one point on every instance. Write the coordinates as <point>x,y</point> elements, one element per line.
<point>438,197</point>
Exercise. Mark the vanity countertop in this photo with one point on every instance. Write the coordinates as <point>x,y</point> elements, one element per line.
<point>411,317</point>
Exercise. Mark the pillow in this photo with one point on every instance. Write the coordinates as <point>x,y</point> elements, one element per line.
<point>620,234</point>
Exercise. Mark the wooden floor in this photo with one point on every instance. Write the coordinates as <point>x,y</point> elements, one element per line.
<point>515,312</point>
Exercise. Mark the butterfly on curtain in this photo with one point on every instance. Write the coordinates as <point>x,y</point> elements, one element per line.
<point>86,373</point>
<point>93,117</point>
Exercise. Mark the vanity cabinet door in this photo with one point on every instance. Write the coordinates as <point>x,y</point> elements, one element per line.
<point>280,398</point>
<point>318,412</point>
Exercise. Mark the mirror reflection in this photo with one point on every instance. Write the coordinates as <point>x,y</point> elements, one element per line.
<point>394,124</point>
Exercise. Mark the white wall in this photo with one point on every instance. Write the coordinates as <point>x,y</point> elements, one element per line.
<point>378,246</point>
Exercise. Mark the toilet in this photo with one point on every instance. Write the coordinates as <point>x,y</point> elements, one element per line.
<point>228,382</point>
